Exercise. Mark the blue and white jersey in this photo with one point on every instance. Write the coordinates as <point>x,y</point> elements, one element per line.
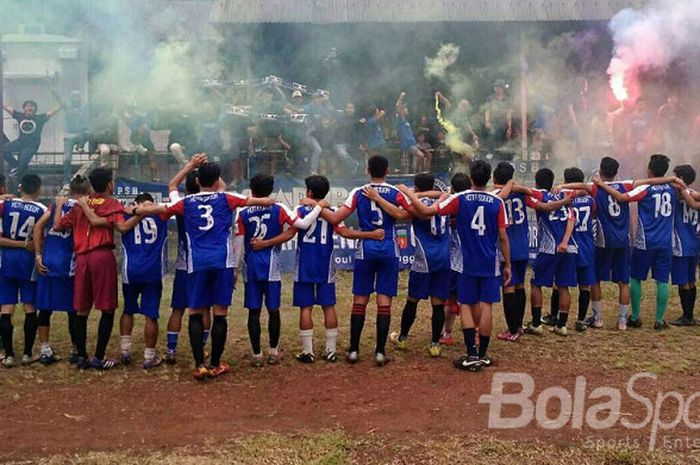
<point>18,219</point>
<point>456,258</point>
<point>263,223</point>
<point>208,218</point>
<point>58,254</point>
<point>145,251</point>
<point>314,258</point>
<point>404,133</point>
<point>551,227</point>
<point>518,227</point>
<point>431,240</point>
<point>480,216</point>
<point>656,206</point>
<point>181,259</point>
<point>370,217</point>
<point>584,207</point>
<point>613,217</point>
<point>685,231</point>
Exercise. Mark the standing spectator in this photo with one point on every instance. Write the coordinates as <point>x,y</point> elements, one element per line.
<point>407,141</point>
<point>325,135</point>
<point>374,142</point>
<point>295,132</point>
<point>77,133</point>
<point>461,116</point>
<point>140,137</point>
<point>348,137</point>
<point>319,107</point>
<point>498,116</point>
<point>255,150</point>
<point>104,134</point>
<point>672,122</point>
<point>27,144</point>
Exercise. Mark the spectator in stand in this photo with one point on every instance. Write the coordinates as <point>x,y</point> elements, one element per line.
<point>498,116</point>
<point>461,117</point>
<point>30,124</point>
<point>319,107</point>
<point>77,132</point>
<point>407,141</point>
<point>235,126</point>
<point>423,144</point>
<point>374,142</point>
<point>348,138</point>
<point>104,134</point>
<point>182,137</point>
<point>210,141</point>
<point>425,126</point>
<point>138,123</point>
<point>672,123</point>
<point>255,150</point>
<point>325,134</point>
<point>295,133</point>
<point>442,155</point>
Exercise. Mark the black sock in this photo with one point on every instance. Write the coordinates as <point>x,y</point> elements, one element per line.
<point>584,298</point>
<point>383,324</point>
<point>521,298</point>
<point>510,310</point>
<point>691,304</point>
<point>437,322</point>
<point>357,323</point>
<point>196,330</point>
<point>684,295</point>
<point>536,316</point>
<point>554,304</point>
<point>44,319</point>
<point>80,329</point>
<point>6,330</point>
<point>483,345</point>
<point>219,329</point>
<point>563,317</point>
<point>254,330</point>
<point>31,323</point>
<point>71,328</point>
<point>104,332</point>
<point>274,326</point>
<point>408,316</point>
<point>470,341</point>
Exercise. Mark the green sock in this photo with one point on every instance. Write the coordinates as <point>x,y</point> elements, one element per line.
<point>636,297</point>
<point>661,300</point>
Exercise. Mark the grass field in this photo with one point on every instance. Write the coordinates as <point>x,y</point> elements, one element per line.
<point>297,431</point>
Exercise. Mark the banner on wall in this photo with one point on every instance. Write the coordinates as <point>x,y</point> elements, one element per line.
<point>289,190</point>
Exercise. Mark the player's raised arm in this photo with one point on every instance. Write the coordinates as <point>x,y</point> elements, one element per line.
<point>197,160</point>
<point>393,211</point>
<point>506,189</point>
<point>661,180</point>
<point>61,223</point>
<point>617,195</point>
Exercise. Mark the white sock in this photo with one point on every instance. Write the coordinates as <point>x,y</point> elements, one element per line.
<point>125,344</point>
<point>307,336</point>
<point>273,350</point>
<point>624,311</point>
<point>149,354</point>
<point>46,349</point>
<point>331,338</point>
<point>597,307</point>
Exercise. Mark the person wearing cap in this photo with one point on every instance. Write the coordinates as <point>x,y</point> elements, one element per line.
<point>76,134</point>
<point>498,116</point>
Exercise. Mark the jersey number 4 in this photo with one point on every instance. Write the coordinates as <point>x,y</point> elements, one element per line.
<point>478,224</point>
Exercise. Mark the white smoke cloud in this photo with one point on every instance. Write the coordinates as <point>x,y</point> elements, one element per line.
<point>436,67</point>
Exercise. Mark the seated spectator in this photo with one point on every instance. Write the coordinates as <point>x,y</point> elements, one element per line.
<point>423,144</point>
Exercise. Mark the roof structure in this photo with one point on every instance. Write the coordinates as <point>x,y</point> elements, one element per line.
<point>385,11</point>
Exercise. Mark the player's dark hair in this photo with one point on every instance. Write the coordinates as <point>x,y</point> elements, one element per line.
<point>609,167</point>
<point>208,174</point>
<point>262,185</point>
<point>503,173</point>
<point>79,185</point>
<point>460,182</point>
<point>686,173</point>
<point>318,186</point>
<point>30,102</point>
<point>544,178</point>
<point>574,175</point>
<point>191,186</point>
<point>30,184</point>
<point>424,182</point>
<point>377,166</point>
<point>100,179</point>
<point>480,173</point>
<point>143,197</point>
<point>659,164</point>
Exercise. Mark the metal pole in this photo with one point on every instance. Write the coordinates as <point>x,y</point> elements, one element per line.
<point>2,102</point>
<point>523,95</point>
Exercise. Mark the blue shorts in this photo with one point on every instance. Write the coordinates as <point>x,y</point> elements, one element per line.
<point>586,276</point>
<point>613,264</point>
<point>683,271</point>
<point>150,294</point>
<point>475,289</point>
<point>11,287</point>
<point>54,293</point>
<point>310,294</point>
<point>518,269</point>
<point>375,275</point>
<point>454,281</point>
<point>256,291</point>
<point>179,296</point>
<point>559,269</point>
<point>658,260</point>
<point>210,287</point>
<point>423,285</point>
